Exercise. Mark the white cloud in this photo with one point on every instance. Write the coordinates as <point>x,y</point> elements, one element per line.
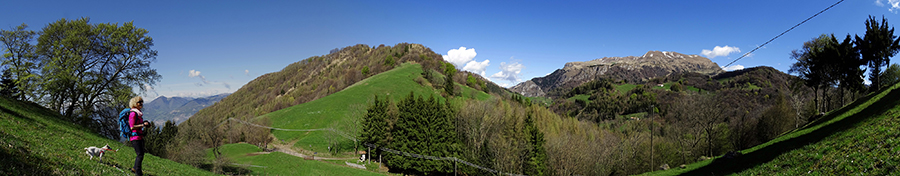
<point>247,72</point>
<point>460,57</point>
<point>895,5</point>
<point>477,67</point>
<point>509,72</point>
<point>733,68</point>
<point>720,51</point>
<point>193,73</point>
<point>867,82</point>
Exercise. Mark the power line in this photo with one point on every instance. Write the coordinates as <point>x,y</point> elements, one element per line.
<point>782,33</point>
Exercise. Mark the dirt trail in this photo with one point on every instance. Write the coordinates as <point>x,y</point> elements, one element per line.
<point>286,148</point>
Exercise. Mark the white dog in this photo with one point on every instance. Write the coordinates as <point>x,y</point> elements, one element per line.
<point>94,151</point>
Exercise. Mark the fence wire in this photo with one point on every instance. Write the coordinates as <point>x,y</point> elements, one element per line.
<point>438,158</point>
<point>401,153</point>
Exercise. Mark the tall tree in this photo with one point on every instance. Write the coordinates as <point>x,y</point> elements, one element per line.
<point>92,67</point>
<point>376,125</point>
<point>19,58</point>
<point>843,64</point>
<point>813,70</point>
<point>537,161</point>
<point>877,47</point>
<point>449,71</point>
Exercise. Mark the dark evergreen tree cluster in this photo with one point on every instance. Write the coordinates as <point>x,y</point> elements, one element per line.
<point>420,126</point>
<point>160,136</point>
<point>376,125</point>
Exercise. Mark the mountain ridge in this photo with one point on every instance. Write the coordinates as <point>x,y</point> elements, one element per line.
<point>177,109</point>
<point>635,69</point>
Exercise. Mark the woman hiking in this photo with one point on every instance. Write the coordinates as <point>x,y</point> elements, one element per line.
<point>137,123</point>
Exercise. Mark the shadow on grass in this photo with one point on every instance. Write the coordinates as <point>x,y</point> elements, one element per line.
<point>227,170</point>
<point>723,166</point>
<point>19,160</point>
<point>840,111</point>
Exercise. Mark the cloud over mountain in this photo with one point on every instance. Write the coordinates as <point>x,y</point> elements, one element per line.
<point>460,57</point>
<point>720,51</point>
<point>733,68</point>
<point>464,59</point>
<point>509,72</point>
<point>477,67</point>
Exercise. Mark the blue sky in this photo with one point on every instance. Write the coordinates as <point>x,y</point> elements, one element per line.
<point>212,47</point>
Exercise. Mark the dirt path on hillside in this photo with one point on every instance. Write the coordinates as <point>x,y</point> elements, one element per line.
<point>286,148</point>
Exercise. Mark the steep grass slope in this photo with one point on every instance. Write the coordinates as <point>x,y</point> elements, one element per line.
<point>860,138</point>
<point>33,141</point>
<point>342,108</point>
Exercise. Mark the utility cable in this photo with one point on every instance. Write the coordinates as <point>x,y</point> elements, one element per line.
<point>782,33</point>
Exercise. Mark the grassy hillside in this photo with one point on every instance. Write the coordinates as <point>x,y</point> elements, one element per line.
<point>860,138</point>
<point>33,141</point>
<point>342,108</point>
<point>277,163</point>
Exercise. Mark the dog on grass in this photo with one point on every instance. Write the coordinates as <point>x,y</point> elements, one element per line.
<point>98,152</point>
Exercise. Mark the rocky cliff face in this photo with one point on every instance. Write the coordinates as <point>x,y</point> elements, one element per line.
<point>633,69</point>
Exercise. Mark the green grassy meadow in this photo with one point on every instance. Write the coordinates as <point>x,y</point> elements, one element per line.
<point>346,106</point>
<point>277,163</point>
<point>34,141</point>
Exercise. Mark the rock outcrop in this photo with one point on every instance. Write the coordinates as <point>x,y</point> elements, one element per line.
<point>633,69</point>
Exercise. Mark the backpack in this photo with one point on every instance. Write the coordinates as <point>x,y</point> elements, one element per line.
<point>124,127</point>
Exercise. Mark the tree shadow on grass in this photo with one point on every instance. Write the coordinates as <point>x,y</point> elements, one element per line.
<point>723,166</point>
<point>18,159</point>
<point>227,170</point>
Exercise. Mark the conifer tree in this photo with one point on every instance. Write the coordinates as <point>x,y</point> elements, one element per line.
<point>877,47</point>
<point>537,162</point>
<point>8,86</point>
<point>449,71</point>
<point>376,125</point>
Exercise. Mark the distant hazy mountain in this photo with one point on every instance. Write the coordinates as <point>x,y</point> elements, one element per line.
<point>178,109</point>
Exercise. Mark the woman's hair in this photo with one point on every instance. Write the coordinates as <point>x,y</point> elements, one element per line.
<point>134,101</point>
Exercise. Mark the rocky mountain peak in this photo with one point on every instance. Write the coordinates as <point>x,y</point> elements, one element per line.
<point>635,69</point>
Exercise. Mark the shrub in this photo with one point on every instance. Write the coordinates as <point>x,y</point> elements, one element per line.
<point>365,70</point>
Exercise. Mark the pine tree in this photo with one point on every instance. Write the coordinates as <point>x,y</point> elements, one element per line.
<point>449,71</point>
<point>8,86</point>
<point>376,125</point>
<point>537,162</point>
